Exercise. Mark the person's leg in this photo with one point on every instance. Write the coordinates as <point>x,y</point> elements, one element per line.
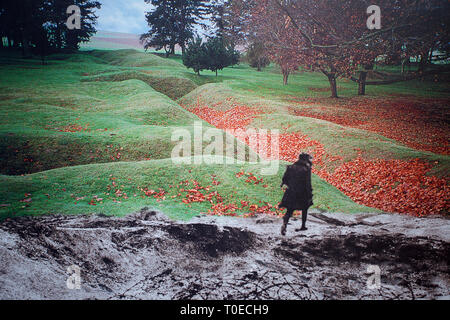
<point>286,218</point>
<point>304,218</point>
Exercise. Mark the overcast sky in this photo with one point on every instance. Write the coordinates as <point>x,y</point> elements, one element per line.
<point>126,16</point>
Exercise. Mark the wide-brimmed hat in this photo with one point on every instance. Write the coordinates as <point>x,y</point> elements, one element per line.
<point>305,157</point>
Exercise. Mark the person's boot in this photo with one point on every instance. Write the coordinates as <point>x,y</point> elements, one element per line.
<point>304,217</point>
<point>286,219</point>
<point>283,229</point>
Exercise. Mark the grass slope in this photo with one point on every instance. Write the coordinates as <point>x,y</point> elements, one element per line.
<point>51,119</point>
<point>337,140</point>
<point>71,190</point>
<point>113,113</point>
<point>103,111</point>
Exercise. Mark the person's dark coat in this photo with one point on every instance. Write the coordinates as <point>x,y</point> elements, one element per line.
<point>299,195</point>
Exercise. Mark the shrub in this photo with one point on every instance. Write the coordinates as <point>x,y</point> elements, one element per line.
<point>257,57</point>
<point>213,55</point>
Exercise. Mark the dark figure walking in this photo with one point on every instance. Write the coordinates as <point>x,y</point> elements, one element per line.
<point>298,195</point>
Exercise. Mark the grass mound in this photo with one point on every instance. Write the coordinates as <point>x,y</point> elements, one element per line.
<point>338,140</point>
<point>181,191</point>
<point>173,87</point>
<point>341,153</point>
<point>50,119</point>
<point>111,110</point>
<point>132,58</point>
<point>53,117</point>
<point>132,122</point>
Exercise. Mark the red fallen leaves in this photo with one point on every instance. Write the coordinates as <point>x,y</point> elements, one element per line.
<point>239,117</point>
<point>195,195</point>
<point>420,124</point>
<point>393,186</point>
<point>117,155</point>
<point>193,192</point>
<point>94,200</point>
<point>389,185</point>
<point>251,178</point>
<point>27,201</point>
<point>116,190</point>
<point>71,128</point>
<point>159,195</point>
<point>222,209</point>
<point>292,144</point>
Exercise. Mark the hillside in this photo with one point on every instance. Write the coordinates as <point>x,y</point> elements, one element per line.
<point>104,120</point>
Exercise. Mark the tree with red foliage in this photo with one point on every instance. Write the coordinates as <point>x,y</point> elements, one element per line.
<point>329,36</point>
<point>332,37</point>
<point>310,33</point>
<point>272,36</point>
<point>417,29</point>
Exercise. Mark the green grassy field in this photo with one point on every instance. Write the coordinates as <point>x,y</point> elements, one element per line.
<point>73,127</point>
<point>338,140</point>
<point>72,190</point>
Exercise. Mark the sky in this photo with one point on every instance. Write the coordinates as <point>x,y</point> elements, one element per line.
<point>127,16</point>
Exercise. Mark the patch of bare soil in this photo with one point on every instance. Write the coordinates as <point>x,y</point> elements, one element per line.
<point>148,256</point>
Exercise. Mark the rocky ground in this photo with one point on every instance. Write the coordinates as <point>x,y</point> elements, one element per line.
<point>148,256</point>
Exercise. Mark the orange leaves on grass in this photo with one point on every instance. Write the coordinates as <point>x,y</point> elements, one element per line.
<point>191,191</point>
<point>95,200</point>
<point>239,117</point>
<point>389,185</point>
<point>71,128</point>
<point>393,186</point>
<point>251,178</point>
<point>159,195</point>
<point>418,123</point>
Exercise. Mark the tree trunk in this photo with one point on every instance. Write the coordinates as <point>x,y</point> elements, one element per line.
<point>58,37</point>
<point>25,47</point>
<point>423,62</point>
<point>183,28</point>
<point>333,85</point>
<point>16,41</point>
<point>430,55</point>
<point>403,66</point>
<point>363,79</point>
<point>285,77</point>
<point>362,83</point>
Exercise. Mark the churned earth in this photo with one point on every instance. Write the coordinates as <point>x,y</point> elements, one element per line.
<point>148,256</point>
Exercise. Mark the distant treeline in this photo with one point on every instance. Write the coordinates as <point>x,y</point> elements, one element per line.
<point>40,26</point>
